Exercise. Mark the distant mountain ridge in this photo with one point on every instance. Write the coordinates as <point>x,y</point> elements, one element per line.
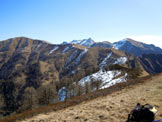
<point>85,42</point>
<point>136,48</point>
<point>128,45</point>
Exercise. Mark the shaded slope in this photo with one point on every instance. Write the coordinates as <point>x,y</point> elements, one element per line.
<point>152,63</point>
<point>136,48</point>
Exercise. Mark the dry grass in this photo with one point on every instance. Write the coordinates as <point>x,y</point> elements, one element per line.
<point>113,105</point>
<point>79,46</point>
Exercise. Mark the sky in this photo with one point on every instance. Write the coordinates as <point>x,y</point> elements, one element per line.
<point>64,20</point>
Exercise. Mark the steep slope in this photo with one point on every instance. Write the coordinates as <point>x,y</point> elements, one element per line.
<point>136,48</point>
<point>152,63</point>
<point>32,71</point>
<point>114,107</point>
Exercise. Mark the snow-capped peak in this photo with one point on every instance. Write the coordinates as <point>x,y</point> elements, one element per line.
<point>85,42</point>
<point>119,44</point>
<point>75,42</point>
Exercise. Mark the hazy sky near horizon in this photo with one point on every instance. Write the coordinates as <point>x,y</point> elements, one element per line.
<point>65,20</point>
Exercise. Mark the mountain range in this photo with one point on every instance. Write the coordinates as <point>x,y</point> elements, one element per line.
<point>128,45</point>
<point>34,73</point>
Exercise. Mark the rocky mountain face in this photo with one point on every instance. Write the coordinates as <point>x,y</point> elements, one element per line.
<point>128,45</point>
<point>33,72</point>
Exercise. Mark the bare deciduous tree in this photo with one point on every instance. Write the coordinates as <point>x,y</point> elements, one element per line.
<point>47,94</point>
<point>30,99</point>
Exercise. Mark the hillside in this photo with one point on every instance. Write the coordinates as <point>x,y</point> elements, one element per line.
<point>111,108</point>
<point>33,73</point>
<point>152,62</point>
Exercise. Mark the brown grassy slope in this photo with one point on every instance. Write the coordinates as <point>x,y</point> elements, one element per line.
<point>111,108</point>
<point>114,107</point>
<point>74,101</point>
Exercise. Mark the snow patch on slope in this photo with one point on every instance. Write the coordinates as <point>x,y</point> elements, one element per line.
<point>120,60</point>
<point>118,45</point>
<point>54,49</point>
<point>105,59</point>
<point>107,78</point>
<point>115,81</point>
<point>66,49</point>
<point>71,57</point>
<point>81,55</point>
<point>38,46</point>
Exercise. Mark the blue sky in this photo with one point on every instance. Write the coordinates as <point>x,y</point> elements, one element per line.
<point>66,20</point>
